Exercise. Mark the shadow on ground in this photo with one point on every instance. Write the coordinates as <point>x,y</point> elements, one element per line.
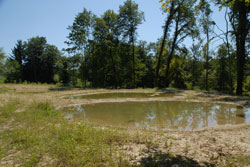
<point>169,90</point>
<point>60,88</point>
<point>168,160</point>
<point>210,94</point>
<point>235,99</point>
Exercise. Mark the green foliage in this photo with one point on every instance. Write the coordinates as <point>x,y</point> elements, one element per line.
<point>103,51</point>
<point>129,19</point>
<point>246,86</point>
<point>13,73</point>
<point>80,31</point>
<point>56,78</point>
<point>177,73</point>
<point>240,21</point>
<point>110,58</point>
<point>2,57</point>
<point>237,161</point>
<point>180,15</point>
<point>32,61</point>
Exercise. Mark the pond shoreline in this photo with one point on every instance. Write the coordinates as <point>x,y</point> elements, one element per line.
<point>227,145</point>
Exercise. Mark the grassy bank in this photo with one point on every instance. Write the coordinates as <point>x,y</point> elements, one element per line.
<point>34,132</point>
<point>37,135</point>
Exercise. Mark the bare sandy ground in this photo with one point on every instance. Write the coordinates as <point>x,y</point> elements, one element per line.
<point>214,146</point>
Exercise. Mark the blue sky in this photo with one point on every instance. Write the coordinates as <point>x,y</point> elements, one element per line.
<point>23,19</point>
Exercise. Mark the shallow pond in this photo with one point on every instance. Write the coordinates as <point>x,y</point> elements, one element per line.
<point>162,115</point>
<point>121,95</point>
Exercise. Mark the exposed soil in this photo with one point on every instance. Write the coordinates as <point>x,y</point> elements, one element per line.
<point>212,146</point>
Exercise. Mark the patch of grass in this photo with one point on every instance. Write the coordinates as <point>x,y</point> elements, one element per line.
<point>7,110</point>
<point>41,130</point>
<point>238,161</point>
<point>32,161</point>
<point>1,153</point>
<point>23,138</point>
<point>3,90</point>
<point>32,92</point>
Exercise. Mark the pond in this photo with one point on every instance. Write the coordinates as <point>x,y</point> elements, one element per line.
<point>121,95</point>
<point>162,115</point>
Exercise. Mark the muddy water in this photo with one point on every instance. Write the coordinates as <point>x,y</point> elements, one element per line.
<point>162,115</point>
<point>121,95</point>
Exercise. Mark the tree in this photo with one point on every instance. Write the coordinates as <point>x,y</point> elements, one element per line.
<point>223,78</point>
<point>184,22</point>
<point>195,61</point>
<point>207,28</point>
<point>2,57</point>
<point>63,65</point>
<point>240,22</point>
<point>112,40</point>
<point>79,36</point>
<point>34,52</point>
<point>33,61</point>
<point>229,48</point>
<point>129,19</point>
<point>18,55</point>
<point>13,71</point>
<point>171,12</point>
<point>48,62</point>
<point>145,54</point>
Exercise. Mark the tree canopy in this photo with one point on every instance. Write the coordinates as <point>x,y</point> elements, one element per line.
<point>105,51</point>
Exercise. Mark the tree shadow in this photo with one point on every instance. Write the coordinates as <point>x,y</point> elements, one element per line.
<point>168,160</point>
<point>60,88</point>
<point>169,90</point>
<point>210,94</point>
<point>235,99</point>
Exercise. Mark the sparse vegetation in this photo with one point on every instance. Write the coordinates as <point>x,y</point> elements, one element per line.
<point>50,98</point>
<point>34,132</point>
<point>41,131</point>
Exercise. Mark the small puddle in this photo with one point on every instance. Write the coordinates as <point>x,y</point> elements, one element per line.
<point>121,95</point>
<point>162,115</point>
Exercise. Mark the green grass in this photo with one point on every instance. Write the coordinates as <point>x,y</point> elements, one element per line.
<point>238,161</point>
<point>41,131</point>
<point>3,90</point>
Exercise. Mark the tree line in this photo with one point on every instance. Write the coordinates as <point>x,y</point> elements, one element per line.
<point>104,51</point>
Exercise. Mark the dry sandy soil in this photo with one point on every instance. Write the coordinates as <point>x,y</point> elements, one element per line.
<point>215,146</point>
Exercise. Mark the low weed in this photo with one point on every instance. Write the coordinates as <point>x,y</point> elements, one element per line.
<point>42,130</point>
<point>238,161</point>
<point>3,90</point>
<point>7,110</point>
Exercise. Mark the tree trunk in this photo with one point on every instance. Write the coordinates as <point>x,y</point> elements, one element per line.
<point>176,34</point>
<point>167,24</point>
<point>161,51</point>
<point>240,44</point>
<point>228,54</point>
<point>114,66</point>
<point>207,59</point>
<point>133,54</point>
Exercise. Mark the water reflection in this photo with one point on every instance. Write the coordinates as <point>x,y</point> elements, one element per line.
<point>121,95</point>
<point>159,115</point>
<point>78,112</point>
